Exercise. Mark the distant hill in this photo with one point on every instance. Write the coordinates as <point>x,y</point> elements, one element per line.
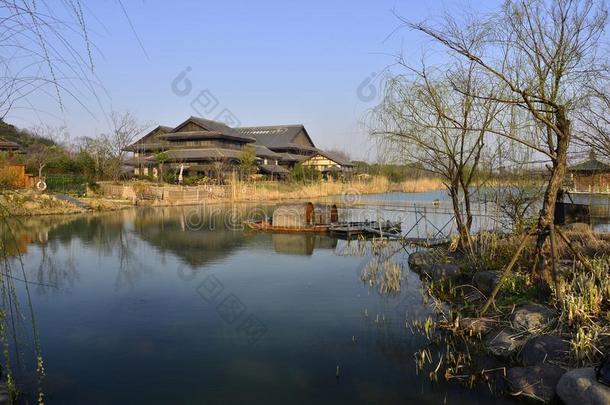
<point>21,136</point>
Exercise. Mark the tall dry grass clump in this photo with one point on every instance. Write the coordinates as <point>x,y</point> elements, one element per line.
<point>584,305</point>
<point>9,177</point>
<point>421,185</point>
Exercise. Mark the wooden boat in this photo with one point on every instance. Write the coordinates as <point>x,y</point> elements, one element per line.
<point>344,229</point>
<point>307,217</point>
<point>267,226</point>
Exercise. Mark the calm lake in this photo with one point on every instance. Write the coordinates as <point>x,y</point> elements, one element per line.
<point>183,306</point>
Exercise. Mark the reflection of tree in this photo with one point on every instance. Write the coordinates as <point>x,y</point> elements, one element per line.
<point>53,275</point>
<point>130,270</point>
<point>108,233</point>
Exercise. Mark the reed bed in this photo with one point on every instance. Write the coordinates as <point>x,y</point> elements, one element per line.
<point>281,191</point>
<point>422,185</point>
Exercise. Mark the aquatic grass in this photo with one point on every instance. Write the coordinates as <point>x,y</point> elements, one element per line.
<point>584,305</point>
<point>383,273</point>
<point>391,278</point>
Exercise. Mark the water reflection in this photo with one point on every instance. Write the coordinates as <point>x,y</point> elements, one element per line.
<point>301,244</point>
<point>121,319</point>
<point>196,235</point>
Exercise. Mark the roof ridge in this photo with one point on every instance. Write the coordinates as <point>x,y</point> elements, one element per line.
<point>272,126</point>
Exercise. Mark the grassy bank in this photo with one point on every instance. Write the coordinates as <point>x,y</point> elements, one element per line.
<point>32,203</point>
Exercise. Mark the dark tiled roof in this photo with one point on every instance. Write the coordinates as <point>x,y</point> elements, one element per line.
<point>137,161</point>
<point>276,135</point>
<point>184,155</point>
<point>591,165</point>
<point>196,135</point>
<point>203,154</point>
<point>6,145</point>
<point>217,127</point>
<point>273,169</point>
<point>160,129</point>
<point>265,152</point>
<point>335,158</point>
<point>290,157</point>
<point>146,147</point>
<point>293,146</point>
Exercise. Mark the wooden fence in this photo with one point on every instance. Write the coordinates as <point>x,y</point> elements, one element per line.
<point>176,194</point>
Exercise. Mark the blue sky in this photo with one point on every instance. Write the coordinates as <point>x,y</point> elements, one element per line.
<point>267,62</point>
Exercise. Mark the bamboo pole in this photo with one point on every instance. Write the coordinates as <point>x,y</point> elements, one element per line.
<point>505,273</point>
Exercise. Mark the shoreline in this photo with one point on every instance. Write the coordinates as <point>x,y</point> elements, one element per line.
<point>119,196</point>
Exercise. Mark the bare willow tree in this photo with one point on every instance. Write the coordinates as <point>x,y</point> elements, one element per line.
<point>125,128</point>
<point>539,55</point>
<point>424,120</point>
<point>593,131</point>
<point>46,52</point>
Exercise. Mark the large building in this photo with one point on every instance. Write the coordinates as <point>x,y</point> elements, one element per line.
<point>205,147</point>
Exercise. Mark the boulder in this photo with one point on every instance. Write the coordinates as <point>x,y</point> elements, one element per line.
<point>502,343</point>
<point>580,387</point>
<point>486,281</point>
<point>478,326</point>
<point>418,259</point>
<point>536,382</point>
<point>544,349</point>
<point>531,317</point>
<point>438,272</point>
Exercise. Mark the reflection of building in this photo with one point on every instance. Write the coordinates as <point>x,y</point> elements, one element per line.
<point>197,236</point>
<point>301,244</point>
<point>591,175</point>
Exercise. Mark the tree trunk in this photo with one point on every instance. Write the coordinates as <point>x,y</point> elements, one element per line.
<point>547,214</point>
<point>457,211</point>
<point>467,205</point>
